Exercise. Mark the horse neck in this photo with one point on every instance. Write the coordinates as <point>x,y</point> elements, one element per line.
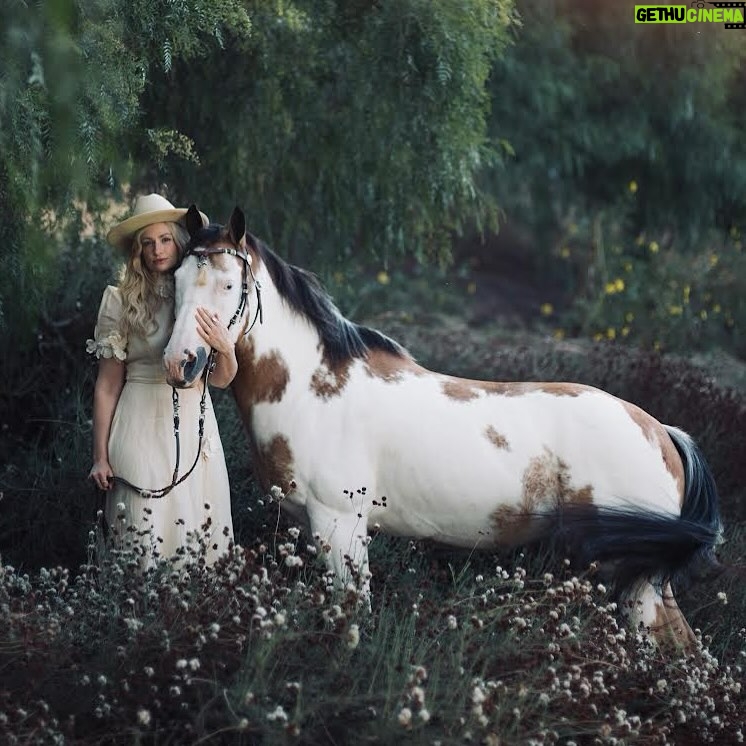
<point>284,341</point>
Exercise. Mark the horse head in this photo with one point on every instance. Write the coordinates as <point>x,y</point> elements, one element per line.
<point>216,274</point>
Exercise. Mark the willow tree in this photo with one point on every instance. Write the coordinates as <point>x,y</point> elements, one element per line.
<point>341,127</point>
<point>338,126</point>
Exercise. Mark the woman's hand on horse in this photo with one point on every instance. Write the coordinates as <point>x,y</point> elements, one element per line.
<point>102,475</point>
<point>213,331</point>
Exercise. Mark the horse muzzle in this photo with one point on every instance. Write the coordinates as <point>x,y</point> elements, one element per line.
<point>183,371</point>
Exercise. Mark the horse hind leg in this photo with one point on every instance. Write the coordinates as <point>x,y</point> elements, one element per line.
<point>659,615</point>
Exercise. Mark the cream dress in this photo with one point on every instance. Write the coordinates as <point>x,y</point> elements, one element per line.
<point>142,449</point>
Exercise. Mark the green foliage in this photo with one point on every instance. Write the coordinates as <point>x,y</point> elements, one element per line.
<point>72,75</point>
<point>590,102</point>
<point>341,128</point>
<point>654,294</point>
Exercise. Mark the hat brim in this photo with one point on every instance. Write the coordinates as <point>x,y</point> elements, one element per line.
<point>121,235</point>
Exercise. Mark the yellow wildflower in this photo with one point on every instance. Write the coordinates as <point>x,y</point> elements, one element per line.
<point>559,334</point>
<point>628,267</point>
<point>383,277</point>
<point>619,284</point>
<point>564,252</point>
<point>703,314</point>
<point>625,331</point>
<point>654,248</point>
<point>632,186</point>
<point>611,333</point>
<point>714,259</point>
<point>629,317</point>
<point>471,288</point>
<point>675,310</point>
<point>716,308</point>
<point>547,309</point>
<point>687,293</point>
<point>597,337</point>
<point>656,345</point>
<point>339,277</point>
<point>610,288</point>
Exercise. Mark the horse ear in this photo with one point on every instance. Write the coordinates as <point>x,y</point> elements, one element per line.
<point>193,221</point>
<point>237,226</point>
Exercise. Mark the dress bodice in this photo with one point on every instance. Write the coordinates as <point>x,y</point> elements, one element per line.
<point>143,356</point>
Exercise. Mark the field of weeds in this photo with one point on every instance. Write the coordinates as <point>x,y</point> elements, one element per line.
<point>458,647</point>
<point>261,649</point>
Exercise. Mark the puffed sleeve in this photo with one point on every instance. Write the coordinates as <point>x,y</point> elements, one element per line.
<point>108,340</point>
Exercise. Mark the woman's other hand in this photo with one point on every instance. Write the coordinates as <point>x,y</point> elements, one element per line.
<point>102,475</point>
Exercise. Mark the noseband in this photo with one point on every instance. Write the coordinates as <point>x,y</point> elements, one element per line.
<point>203,255</point>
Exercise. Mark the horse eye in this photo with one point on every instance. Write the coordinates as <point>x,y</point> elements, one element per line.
<point>229,286</point>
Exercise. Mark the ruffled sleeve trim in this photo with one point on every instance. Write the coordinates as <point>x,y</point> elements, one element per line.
<point>108,341</point>
<point>113,345</point>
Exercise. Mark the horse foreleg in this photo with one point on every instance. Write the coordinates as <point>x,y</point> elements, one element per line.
<point>343,540</point>
<point>659,615</point>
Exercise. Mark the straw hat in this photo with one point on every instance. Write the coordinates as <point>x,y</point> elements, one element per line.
<point>149,209</point>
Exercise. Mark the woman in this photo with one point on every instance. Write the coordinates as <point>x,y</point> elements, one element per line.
<point>133,411</point>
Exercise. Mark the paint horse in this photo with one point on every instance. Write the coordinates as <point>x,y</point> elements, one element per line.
<point>331,406</point>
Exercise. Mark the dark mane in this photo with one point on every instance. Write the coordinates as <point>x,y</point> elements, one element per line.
<point>342,339</point>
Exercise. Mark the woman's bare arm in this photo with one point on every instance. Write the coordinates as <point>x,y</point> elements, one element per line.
<point>109,384</point>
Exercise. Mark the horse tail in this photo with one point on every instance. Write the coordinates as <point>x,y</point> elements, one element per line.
<point>642,544</point>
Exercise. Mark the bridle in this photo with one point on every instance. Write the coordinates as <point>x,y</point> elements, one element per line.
<point>203,255</point>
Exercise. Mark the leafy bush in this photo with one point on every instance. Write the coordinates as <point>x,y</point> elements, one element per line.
<point>651,293</point>
<point>588,102</point>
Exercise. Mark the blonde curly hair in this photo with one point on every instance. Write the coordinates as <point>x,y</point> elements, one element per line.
<point>143,291</point>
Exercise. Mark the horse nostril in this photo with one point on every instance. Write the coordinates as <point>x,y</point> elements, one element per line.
<point>194,364</point>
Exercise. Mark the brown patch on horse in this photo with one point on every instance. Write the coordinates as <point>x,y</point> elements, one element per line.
<point>273,463</point>
<point>459,389</point>
<point>463,389</point>
<point>546,487</point>
<point>258,380</point>
<point>389,367</point>
<point>563,389</point>
<point>497,439</point>
<point>515,525</point>
<point>271,377</point>
<point>546,483</point>
<point>657,436</point>
<point>331,377</point>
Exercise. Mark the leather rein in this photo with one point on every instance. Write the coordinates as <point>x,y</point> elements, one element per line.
<point>203,255</point>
